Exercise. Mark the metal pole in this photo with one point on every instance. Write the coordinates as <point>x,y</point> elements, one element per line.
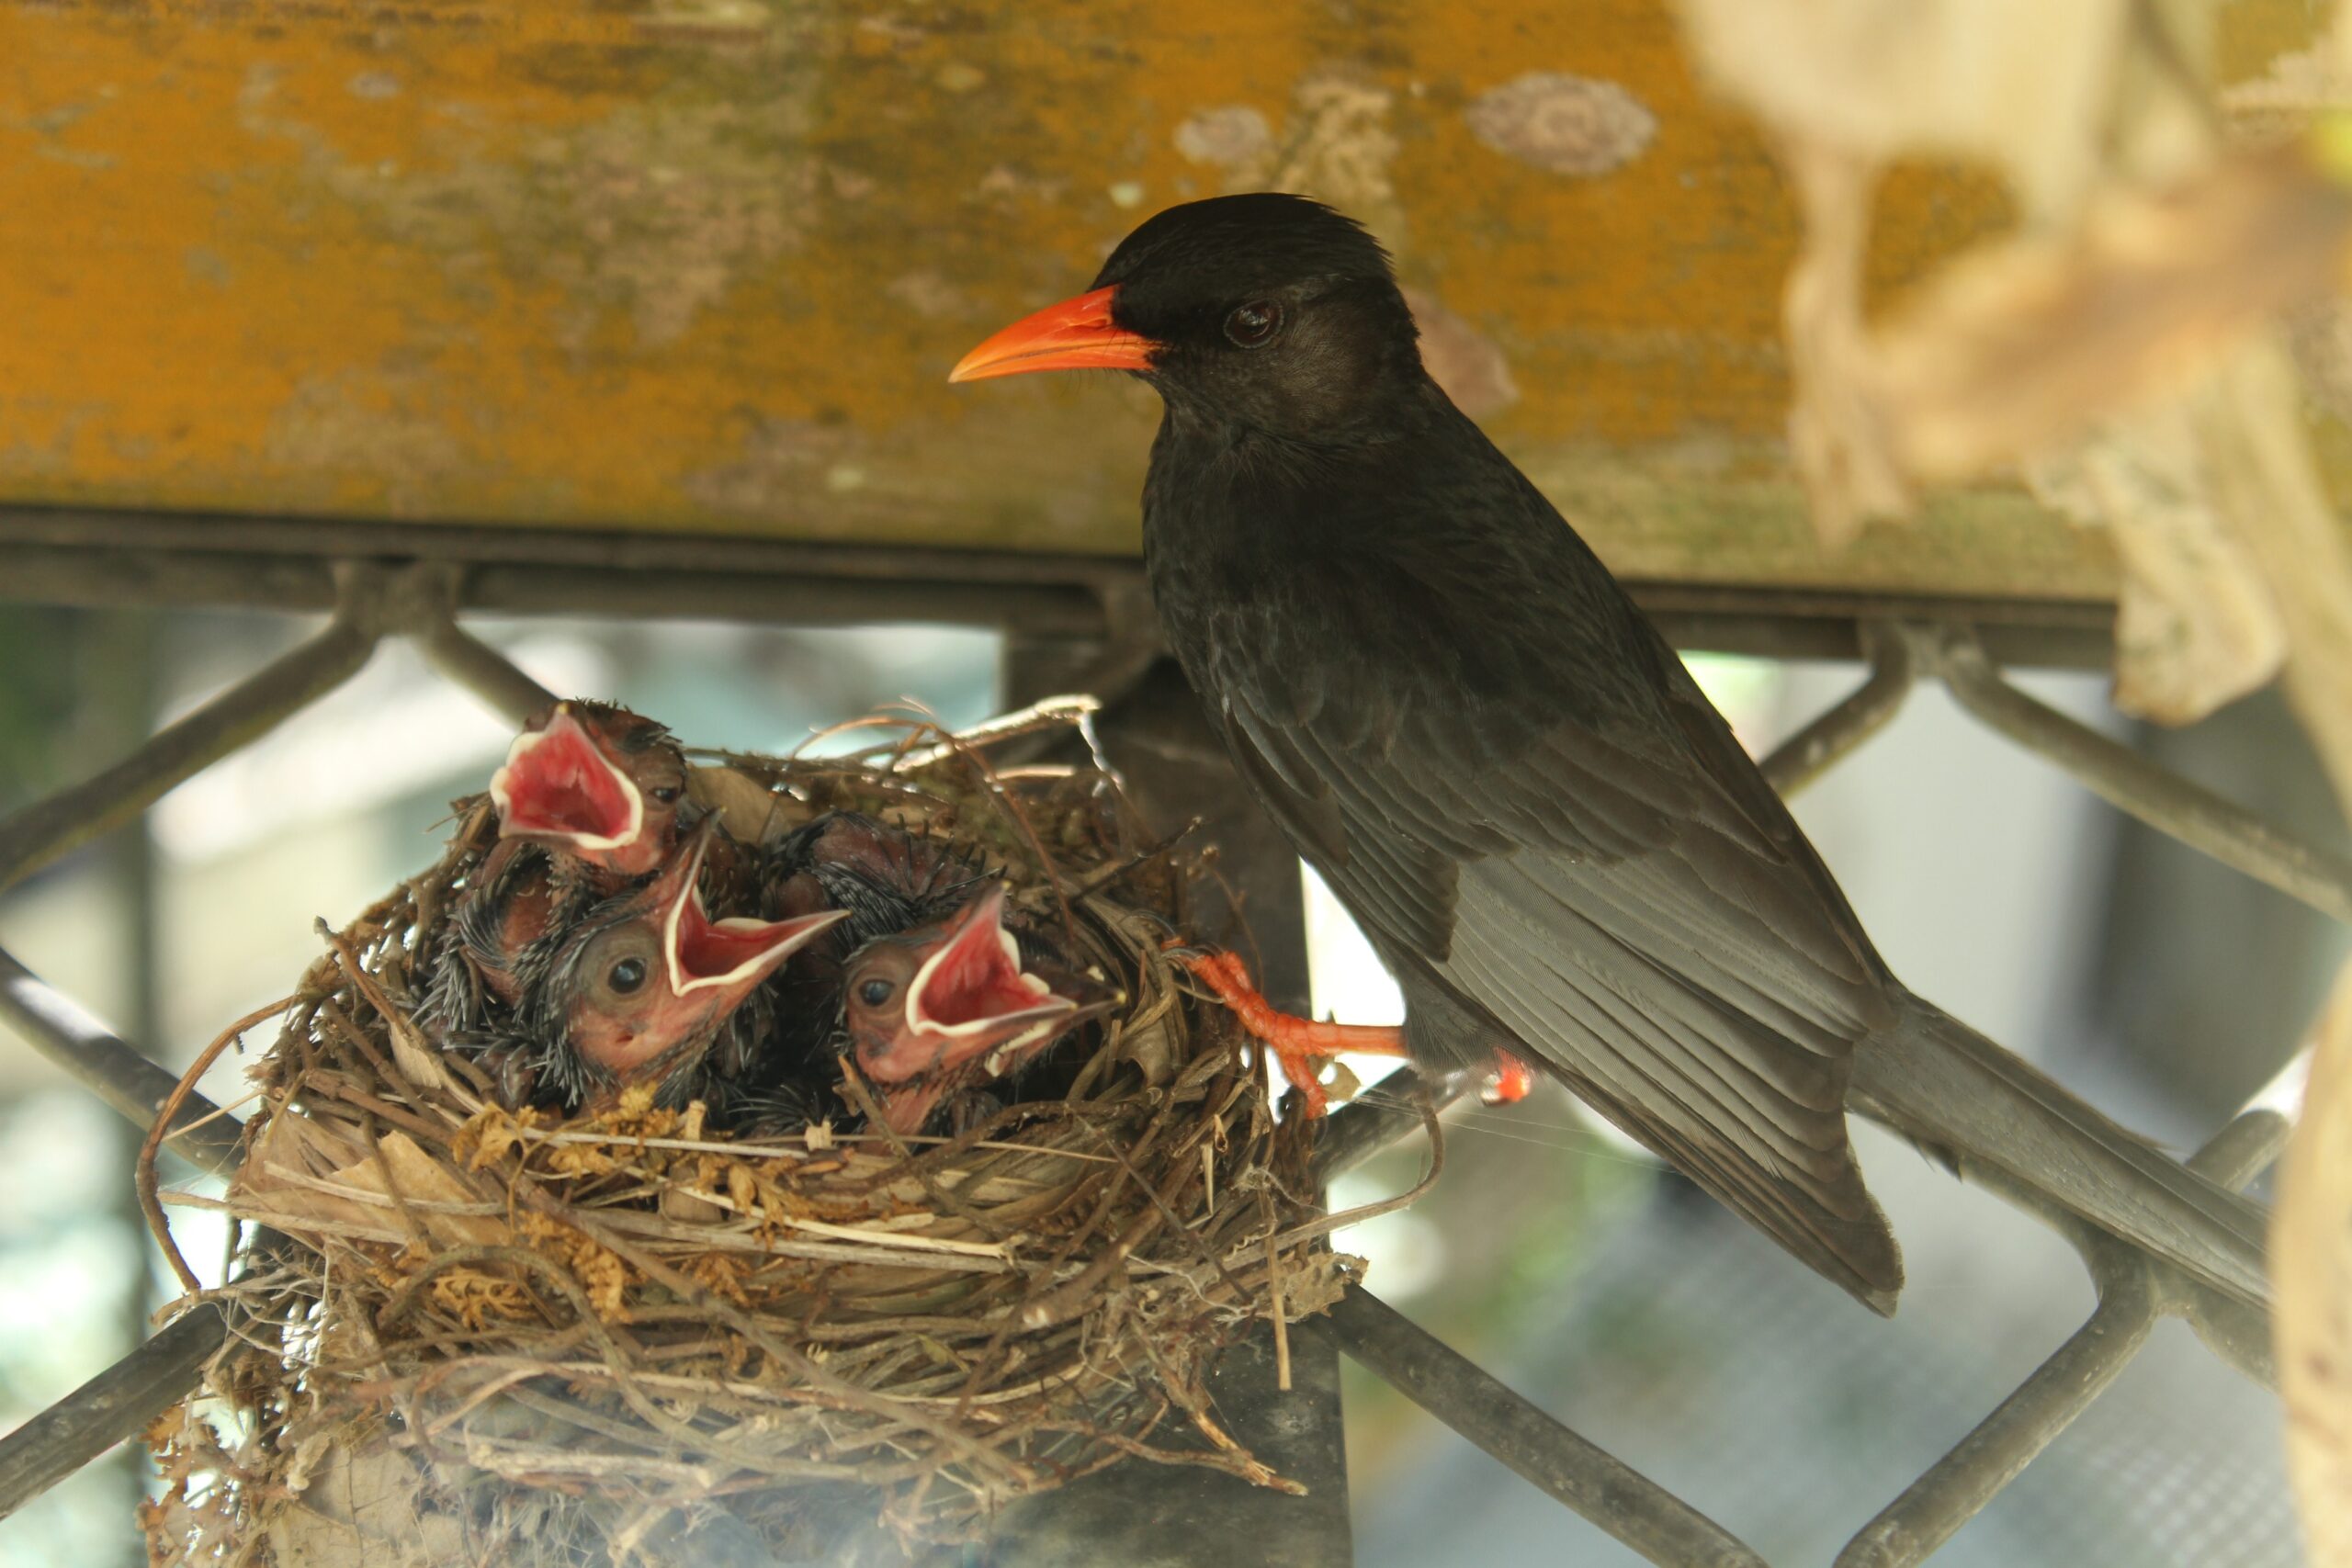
<point>116,1405</point>
<point>72,816</point>
<point>1594,1483</point>
<point>2131,783</point>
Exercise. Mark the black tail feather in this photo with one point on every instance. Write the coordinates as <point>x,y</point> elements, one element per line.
<point>1940,1082</point>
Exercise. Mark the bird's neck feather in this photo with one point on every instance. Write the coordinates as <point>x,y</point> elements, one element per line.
<point>1240,511</point>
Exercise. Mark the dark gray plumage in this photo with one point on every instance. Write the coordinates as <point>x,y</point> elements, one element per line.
<point>1505,772</point>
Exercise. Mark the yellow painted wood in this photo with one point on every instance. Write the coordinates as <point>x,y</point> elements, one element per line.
<point>702,265</point>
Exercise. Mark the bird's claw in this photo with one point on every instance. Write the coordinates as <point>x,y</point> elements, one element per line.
<point>1299,1070</point>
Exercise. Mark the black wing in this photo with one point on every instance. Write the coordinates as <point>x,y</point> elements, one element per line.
<point>1549,821</point>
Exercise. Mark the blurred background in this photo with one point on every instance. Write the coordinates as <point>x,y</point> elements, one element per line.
<point>1553,1252</point>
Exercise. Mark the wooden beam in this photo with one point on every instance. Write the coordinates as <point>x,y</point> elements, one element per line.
<point>700,265</point>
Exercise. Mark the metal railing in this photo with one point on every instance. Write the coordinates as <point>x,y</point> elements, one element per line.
<point>1087,613</point>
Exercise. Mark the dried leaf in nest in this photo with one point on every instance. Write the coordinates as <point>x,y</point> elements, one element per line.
<point>363,1510</point>
<point>752,811</point>
<point>302,1176</point>
<point>2311,1262</point>
<point>599,1270</point>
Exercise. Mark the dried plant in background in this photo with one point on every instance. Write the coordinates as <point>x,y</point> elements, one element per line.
<point>2114,347</point>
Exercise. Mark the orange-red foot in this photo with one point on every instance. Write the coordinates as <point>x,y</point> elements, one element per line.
<point>1295,1041</point>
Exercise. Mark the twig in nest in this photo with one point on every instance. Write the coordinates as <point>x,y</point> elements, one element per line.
<point>1274,1290</point>
<point>1002,800</point>
<point>145,1176</point>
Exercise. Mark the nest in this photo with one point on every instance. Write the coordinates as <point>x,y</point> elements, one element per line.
<point>477,1334</point>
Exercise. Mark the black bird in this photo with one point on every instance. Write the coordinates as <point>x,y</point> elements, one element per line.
<point>1507,775</point>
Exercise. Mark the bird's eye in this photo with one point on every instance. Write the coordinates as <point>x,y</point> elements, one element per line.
<point>874,993</point>
<point>1254,325</point>
<point>625,976</point>
<point>662,794</point>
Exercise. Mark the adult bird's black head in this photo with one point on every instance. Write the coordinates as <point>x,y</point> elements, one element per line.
<point>1265,311</point>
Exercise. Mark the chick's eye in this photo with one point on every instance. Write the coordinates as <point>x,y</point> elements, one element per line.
<point>1254,325</point>
<point>874,993</point>
<point>625,976</point>
<point>662,794</point>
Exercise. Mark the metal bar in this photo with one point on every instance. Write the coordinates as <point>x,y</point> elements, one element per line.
<point>2129,782</point>
<point>131,685</point>
<point>337,538</point>
<point>479,668</point>
<point>135,578</point>
<point>165,579</point>
<point>1771,630</point>
<point>1830,739</point>
<point>74,816</point>
<point>108,556</point>
<point>115,1405</point>
<point>1364,1126</point>
<point>63,1031</point>
<point>1611,1494</point>
<point>1149,1515</point>
<point>2239,1336</point>
<point>648,592</point>
<point>2243,1149</point>
<point>2136,1291</point>
<point>1958,1486</point>
<point>2236,1334</point>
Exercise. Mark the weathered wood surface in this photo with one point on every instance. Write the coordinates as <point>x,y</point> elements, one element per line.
<point>701,265</point>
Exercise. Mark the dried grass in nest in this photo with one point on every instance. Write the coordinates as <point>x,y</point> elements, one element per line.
<point>484,1334</point>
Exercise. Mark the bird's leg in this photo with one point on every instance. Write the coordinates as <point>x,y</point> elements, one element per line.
<point>1295,1041</point>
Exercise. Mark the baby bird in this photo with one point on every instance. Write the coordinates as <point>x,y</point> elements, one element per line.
<point>639,987</point>
<point>594,783</point>
<point>944,1008</point>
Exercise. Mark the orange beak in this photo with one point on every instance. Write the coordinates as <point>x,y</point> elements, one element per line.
<point>1076,335</point>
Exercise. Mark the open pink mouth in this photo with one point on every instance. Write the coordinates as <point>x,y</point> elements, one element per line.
<point>975,982</point>
<point>556,783</point>
<point>706,955</point>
